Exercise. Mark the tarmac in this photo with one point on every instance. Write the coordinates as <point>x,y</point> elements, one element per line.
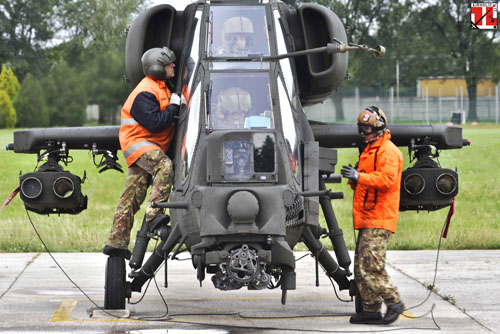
<point>35,296</point>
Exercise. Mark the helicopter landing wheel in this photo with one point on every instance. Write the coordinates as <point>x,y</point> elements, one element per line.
<point>115,285</point>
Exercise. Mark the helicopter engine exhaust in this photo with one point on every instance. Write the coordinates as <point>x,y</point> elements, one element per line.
<point>242,268</point>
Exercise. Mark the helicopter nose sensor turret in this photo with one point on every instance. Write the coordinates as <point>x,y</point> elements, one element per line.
<point>243,207</point>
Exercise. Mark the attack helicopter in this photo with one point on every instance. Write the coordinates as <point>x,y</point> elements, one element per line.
<point>246,191</point>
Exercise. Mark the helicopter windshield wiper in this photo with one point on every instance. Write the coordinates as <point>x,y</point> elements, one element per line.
<point>330,48</point>
<point>337,47</point>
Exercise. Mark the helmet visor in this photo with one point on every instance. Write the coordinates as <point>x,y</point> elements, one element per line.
<point>364,129</point>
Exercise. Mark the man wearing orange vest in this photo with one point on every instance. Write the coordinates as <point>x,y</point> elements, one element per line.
<point>376,182</point>
<point>146,131</point>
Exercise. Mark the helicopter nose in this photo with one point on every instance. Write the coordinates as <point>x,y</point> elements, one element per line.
<point>243,207</point>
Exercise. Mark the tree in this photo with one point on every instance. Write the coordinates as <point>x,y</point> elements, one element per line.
<point>7,113</point>
<point>25,29</point>
<point>30,104</point>
<point>92,27</point>
<point>361,20</point>
<point>96,48</point>
<point>66,96</point>
<point>105,84</point>
<point>81,29</point>
<point>495,71</point>
<point>424,38</point>
<point>101,22</point>
<point>374,23</point>
<point>9,82</point>
<point>9,86</point>
<point>469,51</point>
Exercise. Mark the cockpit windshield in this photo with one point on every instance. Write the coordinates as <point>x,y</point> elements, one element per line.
<point>240,101</point>
<point>238,31</point>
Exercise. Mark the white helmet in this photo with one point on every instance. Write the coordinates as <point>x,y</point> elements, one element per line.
<point>237,25</point>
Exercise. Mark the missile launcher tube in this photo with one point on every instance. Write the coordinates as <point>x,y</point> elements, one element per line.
<point>77,138</point>
<point>334,135</point>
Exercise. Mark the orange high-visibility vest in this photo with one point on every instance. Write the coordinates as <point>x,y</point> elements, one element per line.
<point>376,196</point>
<point>135,140</point>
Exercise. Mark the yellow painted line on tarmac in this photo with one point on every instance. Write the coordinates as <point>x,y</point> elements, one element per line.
<point>64,311</point>
<point>407,315</point>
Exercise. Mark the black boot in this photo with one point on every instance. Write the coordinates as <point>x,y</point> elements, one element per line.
<point>112,251</point>
<point>368,318</point>
<point>393,312</point>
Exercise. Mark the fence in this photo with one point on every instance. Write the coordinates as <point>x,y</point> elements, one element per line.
<point>411,109</point>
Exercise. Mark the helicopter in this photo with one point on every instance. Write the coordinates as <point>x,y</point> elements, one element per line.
<point>245,191</point>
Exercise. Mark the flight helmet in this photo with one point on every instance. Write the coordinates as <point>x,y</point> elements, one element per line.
<point>237,25</point>
<point>371,119</point>
<point>234,100</point>
<point>154,61</point>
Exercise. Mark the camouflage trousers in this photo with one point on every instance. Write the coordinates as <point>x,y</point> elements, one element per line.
<point>153,166</point>
<point>374,284</point>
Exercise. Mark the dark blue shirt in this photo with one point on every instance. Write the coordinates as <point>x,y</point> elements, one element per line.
<point>146,111</point>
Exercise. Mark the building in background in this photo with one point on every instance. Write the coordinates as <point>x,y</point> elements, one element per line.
<point>452,86</point>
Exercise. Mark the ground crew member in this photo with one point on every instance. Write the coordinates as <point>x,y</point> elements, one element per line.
<point>146,131</point>
<point>376,183</point>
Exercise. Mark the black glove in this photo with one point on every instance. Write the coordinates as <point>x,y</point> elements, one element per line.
<point>350,173</point>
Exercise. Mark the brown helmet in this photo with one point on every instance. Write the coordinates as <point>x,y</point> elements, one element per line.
<point>372,117</point>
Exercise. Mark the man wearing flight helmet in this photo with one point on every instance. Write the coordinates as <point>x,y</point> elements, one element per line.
<point>236,37</point>
<point>376,183</point>
<point>146,131</point>
<point>233,106</point>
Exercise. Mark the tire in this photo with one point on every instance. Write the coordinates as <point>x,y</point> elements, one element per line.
<point>114,288</point>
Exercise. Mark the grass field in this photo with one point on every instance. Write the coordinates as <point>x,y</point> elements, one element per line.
<point>475,225</point>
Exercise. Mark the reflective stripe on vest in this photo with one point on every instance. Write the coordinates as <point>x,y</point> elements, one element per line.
<point>137,146</point>
<point>132,135</point>
<point>128,121</point>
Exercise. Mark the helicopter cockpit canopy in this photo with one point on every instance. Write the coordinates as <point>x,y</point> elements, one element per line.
<point>240,100</point>
<point>238,31</point>
<point>227,33</point>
